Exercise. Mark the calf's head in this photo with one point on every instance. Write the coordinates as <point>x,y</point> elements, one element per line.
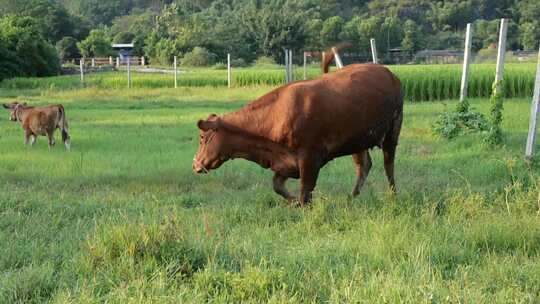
<point>14,107</point>
<point>213,151</point>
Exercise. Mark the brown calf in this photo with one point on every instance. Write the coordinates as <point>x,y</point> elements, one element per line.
<point>40,121</point>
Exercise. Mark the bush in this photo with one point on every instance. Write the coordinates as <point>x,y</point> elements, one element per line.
<point>265,61</point>
<point>67,48</point>
<point>462,120</point>
<point>219,66</point>
<point>97,44</point>
<point>23,51</point>
<point>199,57</point>
<point>238,63</point>
<point>486,55</point>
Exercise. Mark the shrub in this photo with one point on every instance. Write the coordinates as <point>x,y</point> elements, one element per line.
<point>238,63</point>
<point>219,66</point>
<point>23,51</point>
<point>462,120</point>
<point>165,50</point>
<point>486,55</point>
<point>199,57</point>
<point>97,44</point>
<point>67,48</point>
<point>265,61</point>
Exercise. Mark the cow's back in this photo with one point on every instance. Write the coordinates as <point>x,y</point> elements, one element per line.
<point>353,105</point>
<point>42,119</point>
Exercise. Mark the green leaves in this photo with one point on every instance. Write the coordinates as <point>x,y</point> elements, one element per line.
<point>461,121</point>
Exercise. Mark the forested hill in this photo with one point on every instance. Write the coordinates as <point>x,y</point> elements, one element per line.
<point>250,29</point>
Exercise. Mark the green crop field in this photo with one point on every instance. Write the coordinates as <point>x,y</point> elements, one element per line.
<point>421,82</point>
<point>122,218</point>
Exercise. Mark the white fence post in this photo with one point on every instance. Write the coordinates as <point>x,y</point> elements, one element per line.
<point>501,50</point>
<point>81,66</point>
<point>287,66</point>
<point>291,76</point>
<point>175,73</point>
<point>466,62</point>
<point>117,62</point>
<point>229,70</point>
<point>374,56</point>
<point>93,62</point>
<point>531,138</point>
<point>305,65</point>
<point>143,61</point>
<point>110,60</point>
<point>339,63</point>
<point>129,71</point>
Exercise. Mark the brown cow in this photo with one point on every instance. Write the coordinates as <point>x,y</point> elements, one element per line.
<point>40,121</point>
<point>296,129</point>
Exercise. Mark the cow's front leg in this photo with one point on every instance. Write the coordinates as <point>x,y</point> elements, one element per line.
<point>50,136</point>
<point>279,187</point>
<point>309,172</point>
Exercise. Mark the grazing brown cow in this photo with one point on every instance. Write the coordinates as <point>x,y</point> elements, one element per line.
<point>40,121</point>
<point>296,129</point>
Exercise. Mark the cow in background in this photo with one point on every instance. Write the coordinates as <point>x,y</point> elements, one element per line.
<point>40,121</point>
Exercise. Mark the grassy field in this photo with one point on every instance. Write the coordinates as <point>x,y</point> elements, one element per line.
<point>421,82</point>
<point>122,218</point>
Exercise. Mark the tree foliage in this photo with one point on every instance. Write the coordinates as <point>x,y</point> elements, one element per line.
<point>23,50</point>
<point>249,29</point>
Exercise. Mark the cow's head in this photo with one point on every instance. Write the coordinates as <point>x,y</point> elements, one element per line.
<point>212,151</point>
<point>14,107</point>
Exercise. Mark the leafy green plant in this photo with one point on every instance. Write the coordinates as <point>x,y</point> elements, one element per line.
<point>494,136</point>
<point>460,121</point>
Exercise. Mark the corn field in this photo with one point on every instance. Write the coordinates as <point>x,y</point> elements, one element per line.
<point>420,82</point>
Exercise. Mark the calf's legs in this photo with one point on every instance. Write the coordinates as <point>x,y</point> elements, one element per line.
<point>29,137</point>
<point>50,136</point>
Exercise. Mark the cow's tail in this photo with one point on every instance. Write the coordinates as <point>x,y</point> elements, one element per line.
<point>329,55</point>
<point>64,127</point>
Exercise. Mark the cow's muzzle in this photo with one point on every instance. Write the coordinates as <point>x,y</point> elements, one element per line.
<point>198,167</point>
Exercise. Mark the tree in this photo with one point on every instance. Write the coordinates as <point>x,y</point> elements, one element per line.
<point>23,50</point>
<point>411,39</point>
<point>97,44</point>
<point>530,35</point>
<point>199,57</point>
<point>67,48</point>
<point>331,31</point>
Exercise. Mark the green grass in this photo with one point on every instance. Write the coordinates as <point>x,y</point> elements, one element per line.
<point>420,82</point>
<point>122,218</point>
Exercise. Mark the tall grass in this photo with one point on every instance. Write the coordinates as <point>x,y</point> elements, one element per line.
<point>420,82</point>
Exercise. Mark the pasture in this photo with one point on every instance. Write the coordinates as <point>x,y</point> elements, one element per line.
<point>122,218</point>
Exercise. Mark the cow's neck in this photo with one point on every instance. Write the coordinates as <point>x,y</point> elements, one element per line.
<point>21,114</point>
<point>260,150</point>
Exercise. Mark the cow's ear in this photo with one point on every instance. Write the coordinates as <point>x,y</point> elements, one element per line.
<point>206,125</point>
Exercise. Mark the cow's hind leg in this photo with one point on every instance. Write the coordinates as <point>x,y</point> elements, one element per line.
<point>389,155</point>
<point>279,187</point>
<point>29,137</point>
<point>389,150</point>
<point>362,162</point>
